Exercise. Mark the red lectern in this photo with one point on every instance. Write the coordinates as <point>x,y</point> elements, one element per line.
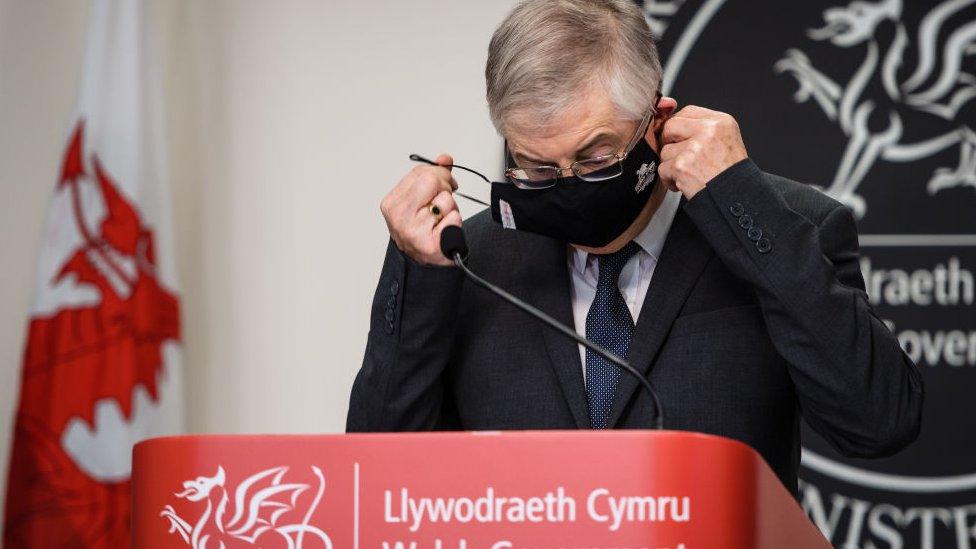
<point>492,490</point>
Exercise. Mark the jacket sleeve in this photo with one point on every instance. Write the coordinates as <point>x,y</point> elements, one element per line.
<point>855,385</point>
<point>400,385</point>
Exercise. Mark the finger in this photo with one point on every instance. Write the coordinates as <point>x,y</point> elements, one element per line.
<point>672,150</point>
<point>439,206</point>
<point>433,253</point>
<point>445,160</point>
<point>696,112</point>
<point>425,187</point>
<point>445,163</point>
<point>666,171</point>
<point>452,218</point>
<point>678,129</point>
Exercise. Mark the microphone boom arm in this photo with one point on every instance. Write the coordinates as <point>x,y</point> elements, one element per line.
<point>559,327</point>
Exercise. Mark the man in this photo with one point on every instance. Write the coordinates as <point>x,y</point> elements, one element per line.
<point>737,292</point>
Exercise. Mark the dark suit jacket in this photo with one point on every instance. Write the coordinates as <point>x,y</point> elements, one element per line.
<point>739,339</point>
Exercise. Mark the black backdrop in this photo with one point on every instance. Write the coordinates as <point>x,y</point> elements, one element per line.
<point>876,104</point>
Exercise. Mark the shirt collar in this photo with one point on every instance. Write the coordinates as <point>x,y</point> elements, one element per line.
<point>651,239</point>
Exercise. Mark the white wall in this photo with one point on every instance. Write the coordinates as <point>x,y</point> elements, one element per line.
<point>288,121</point>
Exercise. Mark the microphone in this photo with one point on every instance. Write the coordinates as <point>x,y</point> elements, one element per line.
<point>455,247</point>
<point>453,243</point>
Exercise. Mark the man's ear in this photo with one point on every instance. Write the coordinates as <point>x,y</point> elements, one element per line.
<point>665,108</point>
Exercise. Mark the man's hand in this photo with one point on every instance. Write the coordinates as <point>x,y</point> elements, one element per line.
<point>699,144</point>
<point>415,229</point>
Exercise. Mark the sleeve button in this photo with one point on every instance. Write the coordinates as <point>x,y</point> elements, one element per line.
<point>394,287</point>
<point>390,315</point>
<point>745,222</point>
<point>737,209</point>
<point>764,245</point>
<point>754,234</point>
<point>389,327</point>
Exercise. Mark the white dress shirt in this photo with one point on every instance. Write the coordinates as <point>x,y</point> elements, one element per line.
<point>584,269</point>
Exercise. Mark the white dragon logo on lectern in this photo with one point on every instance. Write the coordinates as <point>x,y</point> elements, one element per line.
<point>937,86</point>
<point>259,504</point>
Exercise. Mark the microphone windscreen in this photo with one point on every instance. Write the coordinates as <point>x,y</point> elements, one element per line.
<point>453,242</point>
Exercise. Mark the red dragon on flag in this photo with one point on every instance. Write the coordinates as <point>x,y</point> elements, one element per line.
<point>84,358</point>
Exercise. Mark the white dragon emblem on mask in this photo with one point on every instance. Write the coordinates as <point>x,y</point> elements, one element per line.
<point>645,175</point>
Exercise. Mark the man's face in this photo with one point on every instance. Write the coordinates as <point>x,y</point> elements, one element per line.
<point>591,128</point>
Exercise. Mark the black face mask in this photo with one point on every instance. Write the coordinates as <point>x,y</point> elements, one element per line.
<point>581,212</point>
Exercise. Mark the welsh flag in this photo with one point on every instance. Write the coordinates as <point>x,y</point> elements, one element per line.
<point>101,366</point>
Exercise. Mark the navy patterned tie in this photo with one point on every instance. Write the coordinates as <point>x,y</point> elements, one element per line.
<point>608,323</point>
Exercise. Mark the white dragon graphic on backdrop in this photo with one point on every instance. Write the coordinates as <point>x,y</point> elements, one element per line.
<point>257,510</point>
<point>937,85</point>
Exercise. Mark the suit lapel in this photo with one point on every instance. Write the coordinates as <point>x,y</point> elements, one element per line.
<point>683,257</point>
<point>544,279</point>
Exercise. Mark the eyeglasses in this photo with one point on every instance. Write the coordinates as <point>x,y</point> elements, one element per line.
<point>599,168</point>
<point>417,158</point>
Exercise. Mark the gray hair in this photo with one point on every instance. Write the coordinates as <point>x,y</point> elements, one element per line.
<point>547,53</point>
